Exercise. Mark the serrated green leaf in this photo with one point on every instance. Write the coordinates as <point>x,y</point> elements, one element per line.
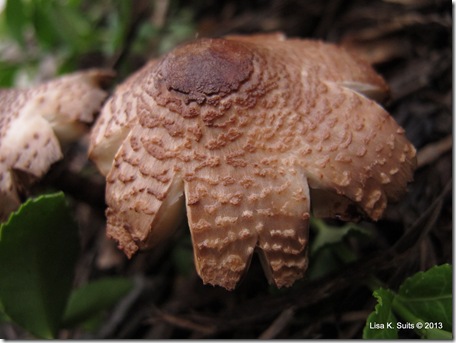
<point>423,302</point>
<point>381,323</point>
<point>88,301</point>
<point>429,296</point>
<point>38,251</point>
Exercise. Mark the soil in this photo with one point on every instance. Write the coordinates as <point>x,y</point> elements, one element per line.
<point>409,42</point>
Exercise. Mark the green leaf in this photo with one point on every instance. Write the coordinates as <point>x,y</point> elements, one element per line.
<point>423,303</point>
<point>7,73</point>
<point>73,30</point>
<point>438,334</point>
<point>46,33</point>
<point>326,261</point>
<point>38,251</point>
<point>88,301</point>
<point>16,19</point>
<point>381,323</point>
<point>328,234</point>
<point>118,22</point>
<point>3,316</point>
<point>330,249</point>
<point>429,296</point>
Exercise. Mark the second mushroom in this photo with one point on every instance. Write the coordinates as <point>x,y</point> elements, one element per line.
<point>34,124</point>
<point>247,134</point>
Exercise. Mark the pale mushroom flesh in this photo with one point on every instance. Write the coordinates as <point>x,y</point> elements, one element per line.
<point>36,121</point>
<point>243,133</point>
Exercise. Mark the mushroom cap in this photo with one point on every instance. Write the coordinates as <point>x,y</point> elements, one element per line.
<point>247,131</point>
<point>35,121</point>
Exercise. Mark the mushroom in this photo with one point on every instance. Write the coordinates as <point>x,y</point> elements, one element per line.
<point>243,132</point>
<point>35,121</point>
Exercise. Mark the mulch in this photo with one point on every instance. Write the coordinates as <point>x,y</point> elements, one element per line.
<point>409,42</point>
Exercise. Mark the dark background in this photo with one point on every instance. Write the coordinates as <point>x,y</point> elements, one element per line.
<point>410,44</point>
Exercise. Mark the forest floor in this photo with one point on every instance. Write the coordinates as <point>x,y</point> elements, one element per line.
<point>409,42</point>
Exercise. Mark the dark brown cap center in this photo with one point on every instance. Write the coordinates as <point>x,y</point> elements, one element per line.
<point>206,67</point>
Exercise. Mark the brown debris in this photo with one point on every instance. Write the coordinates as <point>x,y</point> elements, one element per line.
<point>416,62</point>
<point>433,151</point>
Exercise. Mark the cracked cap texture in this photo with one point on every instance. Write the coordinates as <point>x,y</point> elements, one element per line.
<point>247,134</point>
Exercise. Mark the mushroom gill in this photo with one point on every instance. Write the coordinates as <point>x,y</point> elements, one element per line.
<point>245,131</point>
<point>35,121</point>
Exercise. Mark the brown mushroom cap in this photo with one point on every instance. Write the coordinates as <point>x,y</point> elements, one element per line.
<point>249,129</point>
<point>35,121</point>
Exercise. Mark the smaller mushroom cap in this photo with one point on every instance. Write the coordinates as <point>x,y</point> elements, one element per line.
<point>34,122</point>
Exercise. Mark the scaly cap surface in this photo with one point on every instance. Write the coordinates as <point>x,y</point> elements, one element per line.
<point>35,121</point>
<point>248,129</point>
